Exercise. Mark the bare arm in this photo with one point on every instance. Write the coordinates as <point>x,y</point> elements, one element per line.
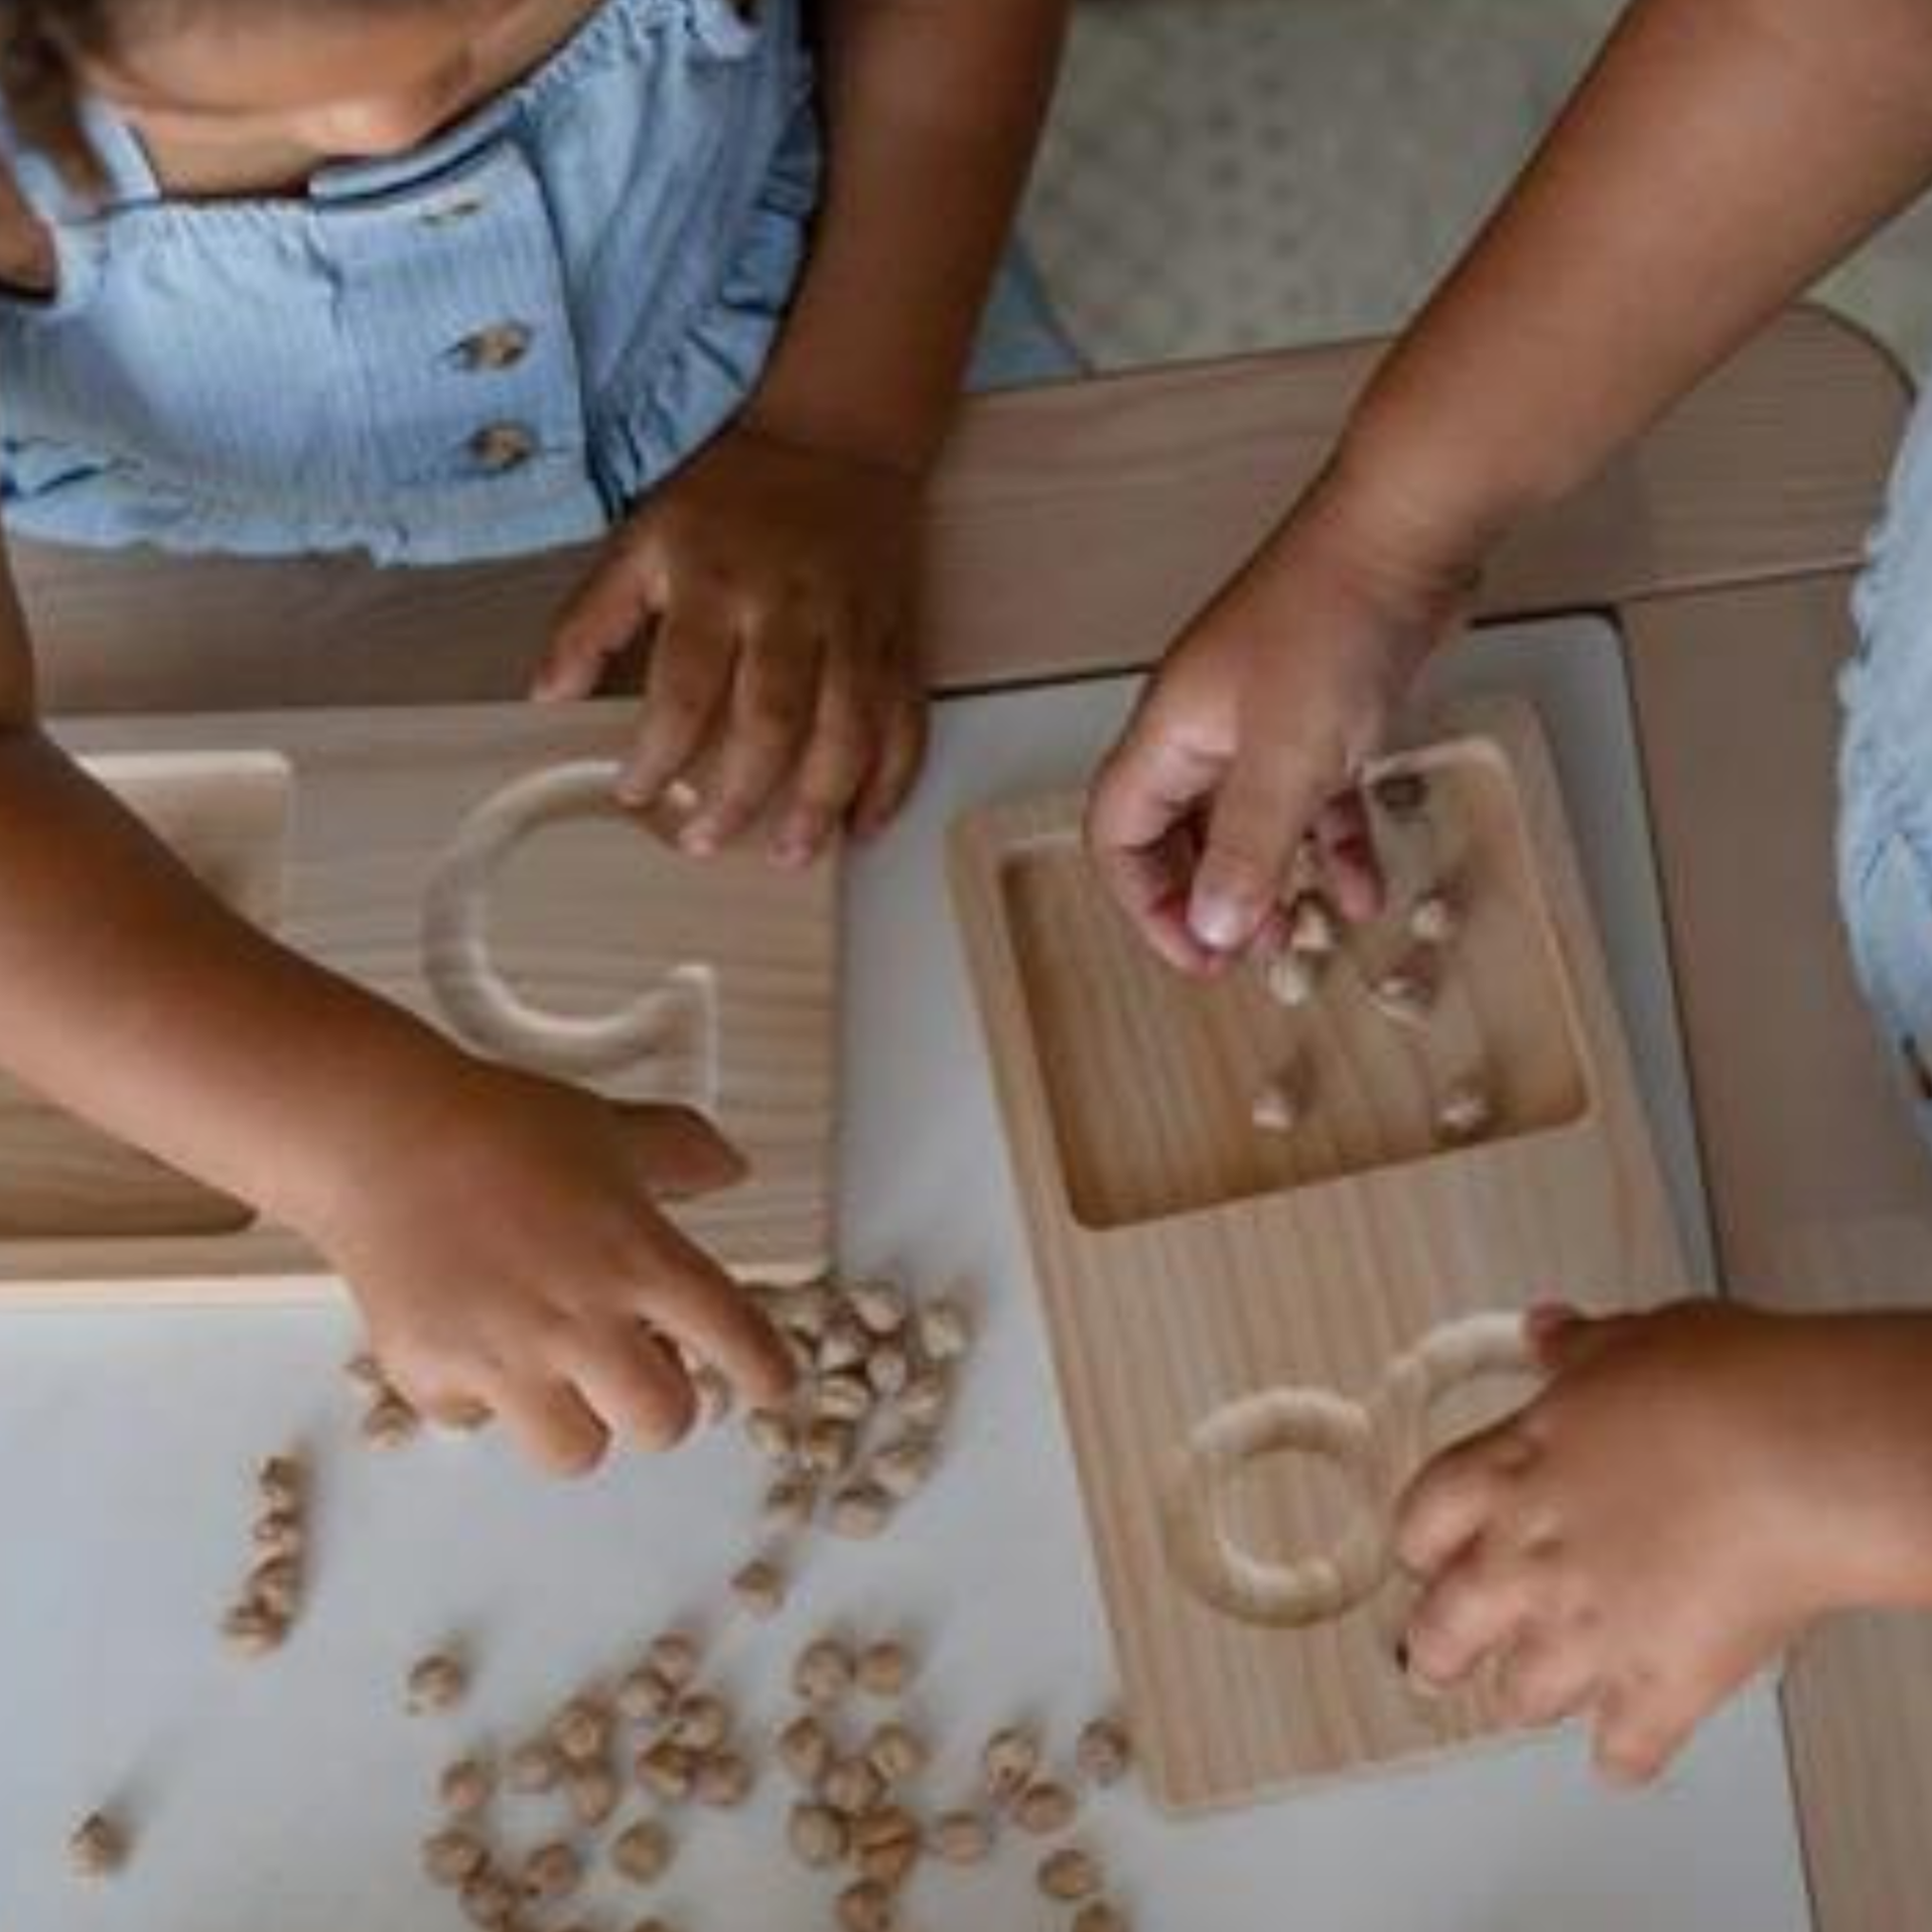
<point>131,996</point>
<point>1717,157</point>
<point>499,1230</point>
<point>932,109</point>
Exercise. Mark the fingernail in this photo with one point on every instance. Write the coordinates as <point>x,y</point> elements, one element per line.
<point>1216,920</point>
<point>698,840</point>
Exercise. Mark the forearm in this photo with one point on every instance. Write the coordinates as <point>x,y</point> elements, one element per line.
<point>129,995</point>
<point>932,108</point>
<point>1720,155</point>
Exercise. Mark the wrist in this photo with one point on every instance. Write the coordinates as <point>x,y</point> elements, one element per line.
<point>902,444</point>
<point>377,1103</point>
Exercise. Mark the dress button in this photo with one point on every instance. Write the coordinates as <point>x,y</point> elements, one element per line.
<point>500,345</point>
<point>502,446</point>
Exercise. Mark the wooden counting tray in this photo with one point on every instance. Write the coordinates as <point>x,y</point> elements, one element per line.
<point>469,864</point>
<point>1218,1296</point>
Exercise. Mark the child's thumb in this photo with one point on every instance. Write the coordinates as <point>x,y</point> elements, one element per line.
<point>679,1152</point>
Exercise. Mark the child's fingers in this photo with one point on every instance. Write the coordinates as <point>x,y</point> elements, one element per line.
<point>1446,1507</point>
<point>1469,1612</point>
<point>901,751</point>
<point>774,698</point>
<point>607,613</point>
<point>1140,834</point>
<point>687,685</point>
<point>1544,1678</point>
<point>833,767</point>
<point>679,1152</point>
<point>1274,792</point>
<point>1348,857</point>
<point>1637,1735</point>
<point>637,1389</point>
<point>683,1292</point>
<point>552,1424</point>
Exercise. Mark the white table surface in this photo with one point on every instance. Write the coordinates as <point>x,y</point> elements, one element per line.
<point>290,1794</point>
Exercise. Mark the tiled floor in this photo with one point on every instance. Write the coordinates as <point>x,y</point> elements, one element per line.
<point>1235,174</point>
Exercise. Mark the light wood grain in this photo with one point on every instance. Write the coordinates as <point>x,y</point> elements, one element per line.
<point>1820,1193</point>
<point>333,829</point>
<point>1176,1287</point>
<point>1071,530</point>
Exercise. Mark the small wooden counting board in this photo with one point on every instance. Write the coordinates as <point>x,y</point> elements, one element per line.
<point>1260,1334</point>
<point>469,863</point>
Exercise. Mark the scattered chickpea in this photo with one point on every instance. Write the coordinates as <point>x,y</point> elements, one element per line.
<point>1276,1109</point>
<point>275,1586</point>
<point>886,1846</point>
<point>1009,1762</point>
<point>488,1899</point>
<point>253,1629</point>
<point>805,1749</point>
<point>827,1445</point>
<point>962,1838</point>
<point>450,1857</point>
<point>1068,1875</point>
<point>390,1421</point>
<point>788,1504</point>
<point>1044,1810</point>
<point>667,1770</point>
<point>944,1329</point>
<point>279,1480</point>
<point>674,1657</point>
<point>437,1683</point>
<point>466,1786</point>
<point>553,1870</point>
<point>278,1533</point>
<point>1406,993</point>
<point>889,1369</point>
<point>1105,1751</point>
<point>823,1672</point>
<point>644,1696</point>
<point>926,1398</point>
<point>852,1786</point>
<point>772,1434</point>
<point>98,1846</point>
<point>1290,978</point>
<point>1465,1112</point>
<point>1432,918</point>
<point>701,1723</point>
<point>866,1907</point>
<point>761,1588</point>
<point>1314,930</point>
<point>642,1851</point>
<point>896,1754</point>
<point>817,1835</point>
<point>860,1512</point>
<point>884,1668</point>
<point>581,1730</point>
<point>903,1468</point>
<point>843,1398</point>
<point>882,1308</point>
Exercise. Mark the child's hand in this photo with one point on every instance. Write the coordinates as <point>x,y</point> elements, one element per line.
<point>1693,1489</point>
<point>1253,731</point>
<point>776,583</point>
<point>510,1258</point>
